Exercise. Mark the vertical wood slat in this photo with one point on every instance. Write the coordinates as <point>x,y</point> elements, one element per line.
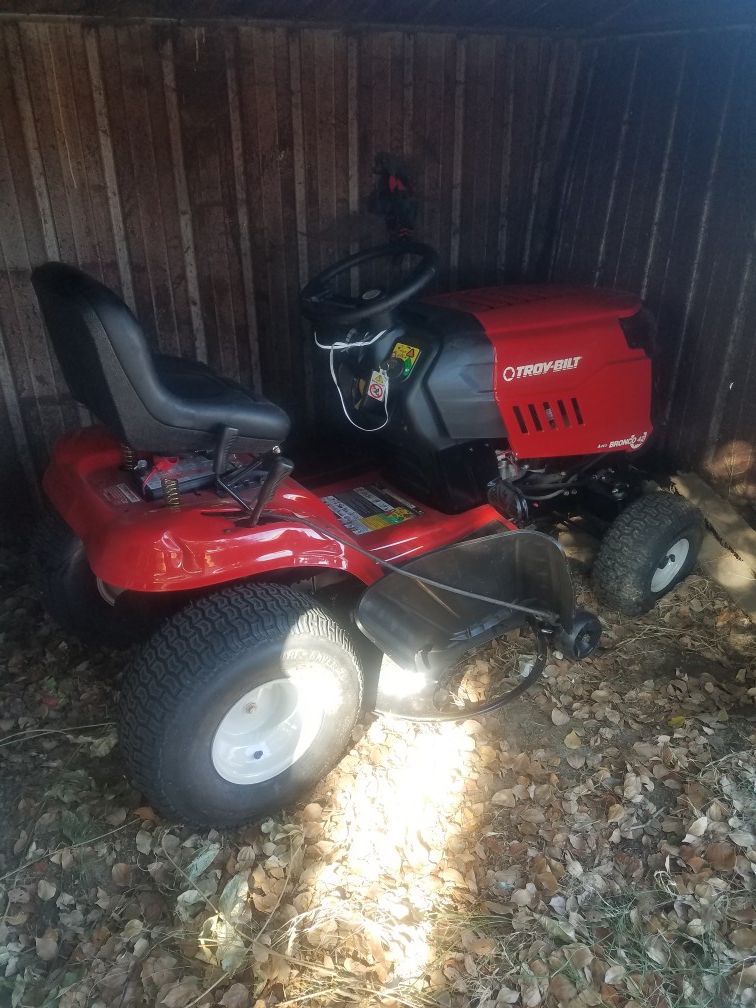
<point>182,199</point>
<point>31,231</point>
<point>108,167</point>
<point>657,196</point>
<point>26,115</point>
<point>207,172</point>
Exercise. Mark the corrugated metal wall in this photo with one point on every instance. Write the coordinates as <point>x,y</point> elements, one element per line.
<point>659,196</point>
<point>206,172</point>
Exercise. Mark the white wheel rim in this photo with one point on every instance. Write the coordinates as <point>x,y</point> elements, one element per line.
<point>670,566</point>
<point>268,729</point>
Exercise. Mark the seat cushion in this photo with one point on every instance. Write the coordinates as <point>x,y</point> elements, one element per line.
<point>212,395</point>
<point>150,401</point>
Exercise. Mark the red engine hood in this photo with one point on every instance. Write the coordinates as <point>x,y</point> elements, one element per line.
<point>532,306</point>
<point>565,378</point>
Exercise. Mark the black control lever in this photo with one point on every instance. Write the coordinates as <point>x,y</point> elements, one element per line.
<point>226,438</point>
<point>223,447</point>
<point>279,470</point>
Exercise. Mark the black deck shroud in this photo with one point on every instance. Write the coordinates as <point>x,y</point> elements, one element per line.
<point>425,629</point>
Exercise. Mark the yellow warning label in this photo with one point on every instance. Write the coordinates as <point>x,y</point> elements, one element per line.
<point>379,521</point>
<point>408,355</point>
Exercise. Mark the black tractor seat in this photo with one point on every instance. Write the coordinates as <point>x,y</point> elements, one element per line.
<point>152,402</point>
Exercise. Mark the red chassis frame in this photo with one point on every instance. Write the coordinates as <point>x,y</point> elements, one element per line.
<point>144,546</point>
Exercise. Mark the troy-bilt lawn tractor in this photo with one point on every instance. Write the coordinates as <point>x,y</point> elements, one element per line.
<point>280,609</point>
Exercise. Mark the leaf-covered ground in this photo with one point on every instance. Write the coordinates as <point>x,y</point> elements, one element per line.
<point>592,845</point>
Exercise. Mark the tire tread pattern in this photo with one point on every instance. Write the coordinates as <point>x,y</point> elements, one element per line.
<point>183,654</point>
<point>631,547</point>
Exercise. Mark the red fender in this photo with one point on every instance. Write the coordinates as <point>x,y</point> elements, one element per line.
<point>140,545</point>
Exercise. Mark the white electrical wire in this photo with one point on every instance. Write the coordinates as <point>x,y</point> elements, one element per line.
<point>342,345</point>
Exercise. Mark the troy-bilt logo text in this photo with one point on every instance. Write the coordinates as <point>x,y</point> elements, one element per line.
<point>543,367</point>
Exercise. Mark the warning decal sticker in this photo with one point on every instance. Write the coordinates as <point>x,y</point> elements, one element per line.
<point>366,509</point>
<point>407,355</point>
<point>377,386</point>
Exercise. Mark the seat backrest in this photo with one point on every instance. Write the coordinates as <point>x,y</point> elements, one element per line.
<point>100,345</point>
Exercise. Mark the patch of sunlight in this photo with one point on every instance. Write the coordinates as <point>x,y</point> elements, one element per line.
<point>396,803</point>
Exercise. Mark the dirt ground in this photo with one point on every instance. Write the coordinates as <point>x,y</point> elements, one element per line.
<point>591,845</point>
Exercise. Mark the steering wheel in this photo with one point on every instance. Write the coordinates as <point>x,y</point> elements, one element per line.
<point>320,301</point>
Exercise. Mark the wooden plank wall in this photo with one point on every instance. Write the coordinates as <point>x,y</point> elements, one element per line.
<point>658,196</point>
<point>205,172</point>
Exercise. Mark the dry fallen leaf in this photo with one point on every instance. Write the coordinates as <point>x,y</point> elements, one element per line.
<point>188,904</point>
<point>743,938</point>
<point>46,890</point>
<point>743,838</point>
<point>104,745</point>
<point>181,993</point>
<point>580,956</point>
<point>504,798</point>
<point>202,861</point>
<point>614,975</point>
<point>573,740</point>
<point>530,991</point>
<point>116,817</point>
<point>559,717</point>
<point>721,855</point>
<point>453,876</point>
<point>632,788</point>
<point>523,897</point>
<point>121,873</point>
<point>160,970</point>
<point>658,950</point>
<point>47,946</point>
<point>237,996</point>
<point>562,989</point>
<point>132,929</point>
<point>143,842</point>
<point>698,827</point>
<point>646,750</point>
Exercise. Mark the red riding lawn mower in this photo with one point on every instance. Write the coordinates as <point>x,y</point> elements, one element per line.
<point>273,612</point>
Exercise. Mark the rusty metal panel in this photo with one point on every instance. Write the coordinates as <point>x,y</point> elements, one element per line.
<point>657,196</point>
<point>204,171</point>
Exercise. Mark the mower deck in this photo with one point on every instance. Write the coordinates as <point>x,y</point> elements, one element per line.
<point>140,545</point>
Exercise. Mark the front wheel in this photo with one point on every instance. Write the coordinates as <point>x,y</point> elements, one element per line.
<point>240,703</point>
<point>648,549</point>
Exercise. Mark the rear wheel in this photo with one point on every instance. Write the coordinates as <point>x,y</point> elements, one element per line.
<point>94,612</point>
<point>648,549</point>
<point>240,703</point>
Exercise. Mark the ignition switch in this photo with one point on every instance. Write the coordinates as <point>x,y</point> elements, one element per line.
<point>394,368</point>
